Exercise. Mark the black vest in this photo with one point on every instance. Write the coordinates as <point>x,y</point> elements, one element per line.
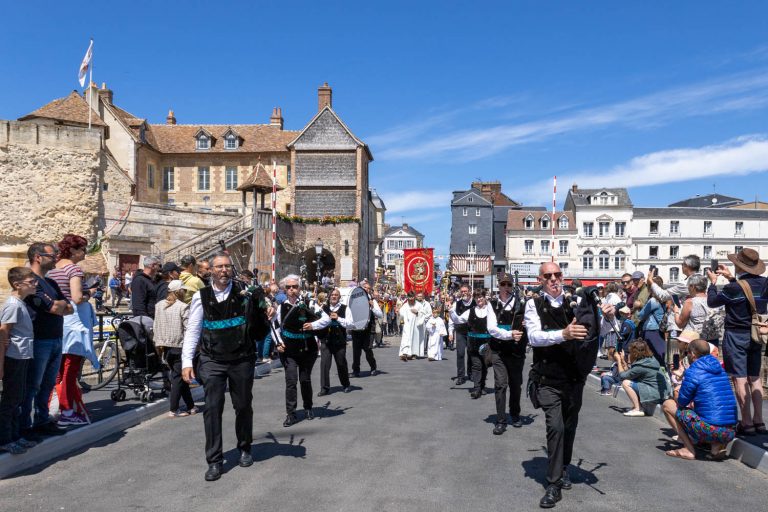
<point>294,338</point>
<point>478,331</point>
<point>335,334</point>
<point>514,317</point>
<point>556,364</point>
<point>224,334</point>
<point>460,309</point>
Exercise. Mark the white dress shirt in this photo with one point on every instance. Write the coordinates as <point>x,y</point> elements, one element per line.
<point>346,320</point>
<point>321,323</point>
<point>195,324</point>
<point>540,338</point>
<point>484,312</point>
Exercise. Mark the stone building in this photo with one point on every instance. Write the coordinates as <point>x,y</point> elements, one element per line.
<point>136,188</point>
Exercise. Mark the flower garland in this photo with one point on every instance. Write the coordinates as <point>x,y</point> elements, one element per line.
<point>327,219</point>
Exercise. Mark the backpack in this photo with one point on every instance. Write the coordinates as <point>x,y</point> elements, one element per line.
<point>714,325</point>
<point>759,330</point>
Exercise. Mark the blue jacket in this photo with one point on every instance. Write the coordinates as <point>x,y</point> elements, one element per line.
<point>706,384</point>
<point>651,316</point>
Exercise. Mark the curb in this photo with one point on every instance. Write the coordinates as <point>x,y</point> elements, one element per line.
<point>738,449</point>
<point>54,447</point>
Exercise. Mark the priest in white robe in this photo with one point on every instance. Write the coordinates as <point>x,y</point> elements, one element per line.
<point>425,310</point>
<point>411,314</point>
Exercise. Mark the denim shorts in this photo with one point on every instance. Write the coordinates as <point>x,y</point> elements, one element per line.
<point>742,356</point>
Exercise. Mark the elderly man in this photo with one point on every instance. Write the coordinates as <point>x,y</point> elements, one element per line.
<point>297,346</point>
<point>691,265</point>
<point>565,343</point>
<point>143,289</point>
<point>220,318</point>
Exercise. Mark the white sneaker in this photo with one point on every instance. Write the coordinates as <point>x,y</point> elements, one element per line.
<point>634,413</point>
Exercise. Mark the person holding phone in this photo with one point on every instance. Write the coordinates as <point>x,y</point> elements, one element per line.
<point>695,312</point>
<point>691,266</point>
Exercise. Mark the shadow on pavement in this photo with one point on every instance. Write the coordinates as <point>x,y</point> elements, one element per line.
<point>536,469</point>
<point>325,410</point>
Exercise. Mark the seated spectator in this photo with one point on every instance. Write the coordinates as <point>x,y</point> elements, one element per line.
<point>643,381</point>
<point>705,411</point>
<point>611,377</point>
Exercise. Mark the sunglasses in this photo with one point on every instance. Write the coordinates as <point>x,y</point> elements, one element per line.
<point>505,284</point>
<point>625,283</point>
<point>291,286</point>
<point>548,275</point>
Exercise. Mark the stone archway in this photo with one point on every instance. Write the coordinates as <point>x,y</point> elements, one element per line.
<point>327,262</point>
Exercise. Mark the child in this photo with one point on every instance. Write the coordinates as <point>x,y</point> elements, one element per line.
<point>611,377</point>
<point>16,336</point>
<point>435,328</point>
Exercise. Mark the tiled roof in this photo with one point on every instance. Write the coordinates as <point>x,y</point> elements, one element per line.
<point>708,201</point>
<point>72,109</point>
<point>580,196</point>
<point>259,179</point>
<point>516,220</point>
<point>503,199</point>
<point>408,229</point>
<point>699,213</point>
<point>254,138</point>
<point>129,119</point>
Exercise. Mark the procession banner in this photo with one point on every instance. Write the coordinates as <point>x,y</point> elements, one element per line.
<point>419,270</point>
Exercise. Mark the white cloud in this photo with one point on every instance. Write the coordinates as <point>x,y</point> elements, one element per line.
<point>744,91</point>
<point>416,200</point>
<point>744,155</point>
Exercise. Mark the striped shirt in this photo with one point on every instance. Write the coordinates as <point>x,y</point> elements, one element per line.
<point>63,275</point>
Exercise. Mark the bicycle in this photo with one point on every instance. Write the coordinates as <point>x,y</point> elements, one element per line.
<point>108,353</point>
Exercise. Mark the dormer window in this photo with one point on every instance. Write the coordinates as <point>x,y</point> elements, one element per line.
<point>203,141</point>
<point>529,222</point>
<point>563,222</point>
<point>231,139</point>
<point>545,222</point>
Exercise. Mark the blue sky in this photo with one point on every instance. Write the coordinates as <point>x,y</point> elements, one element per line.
<point>666,98</point>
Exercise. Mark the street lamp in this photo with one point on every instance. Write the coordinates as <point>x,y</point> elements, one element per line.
<point>493,269</point>
<point>318,254</point>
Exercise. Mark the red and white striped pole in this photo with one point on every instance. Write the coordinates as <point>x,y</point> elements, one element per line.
<point>274,216</point>
<point>554,212</point>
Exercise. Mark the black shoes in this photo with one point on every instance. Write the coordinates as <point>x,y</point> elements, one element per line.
<point>214,472</point>
<point>290,420</point>
<point>551,496</point>
<point>499,429</point>
<point>246,459</point>
<point>374,373</point>
<point>460,381</point>
<point>517,422</point>
<point>348,389</point>
<point>356,375</point>
<point>475,394</point>
<point>309,414</point>
<point>565,481</point>
<point>323,392</point>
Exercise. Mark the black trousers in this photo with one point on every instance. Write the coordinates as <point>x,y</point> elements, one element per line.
<point>298,368</point>
<point>179,389</point>
<point>507,373</point>
<point>561,407</point>
<point>14,389</point>
<point>479,368</point>
<point>333,352</point>
<point>361,342</point>
<point>463,365</point>
<point>216,376</point>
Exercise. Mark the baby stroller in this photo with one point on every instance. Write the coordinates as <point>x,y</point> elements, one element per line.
<point>142,364</point>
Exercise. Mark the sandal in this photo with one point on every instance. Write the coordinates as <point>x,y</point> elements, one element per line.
<point>741,430</point>
<point>678,454</point>
<point>760,428</point>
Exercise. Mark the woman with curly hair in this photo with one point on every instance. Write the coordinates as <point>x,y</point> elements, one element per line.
<point>78,328</point>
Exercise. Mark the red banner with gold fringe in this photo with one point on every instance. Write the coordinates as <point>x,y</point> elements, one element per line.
<point>418,270</point>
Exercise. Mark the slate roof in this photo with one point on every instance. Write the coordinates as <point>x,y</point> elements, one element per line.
<point>708,201</point>
<point>72,109</point>
<point>699,213</point>
<point>376,200</point>
<point>516,220</point>
<point>579,197</point>
<point>254,138</point>
<point>408,229</point>
<point>260,179</point>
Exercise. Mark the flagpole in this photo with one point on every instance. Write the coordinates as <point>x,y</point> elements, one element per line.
<point>554,202</point>
<point>90,81</point>
<point>274,216</point>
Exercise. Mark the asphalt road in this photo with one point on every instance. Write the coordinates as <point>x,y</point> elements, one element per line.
<point>405,440</point>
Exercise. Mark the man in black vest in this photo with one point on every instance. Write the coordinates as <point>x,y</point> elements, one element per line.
<point>361,339</point>
<point>565,342</point>
<point>333,344</point>
<point>296,321</point>
<point>460,336</point>
<point>220,317</point>
<point>508,356</point>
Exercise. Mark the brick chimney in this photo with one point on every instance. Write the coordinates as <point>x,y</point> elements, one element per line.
<point>405,226</point>
<point>170,119</point>
<point>574,188</point>
<point>277,118</point>
<point>324,97</point>
<point>105,94</point>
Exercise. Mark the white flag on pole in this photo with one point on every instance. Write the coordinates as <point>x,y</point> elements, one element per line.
<point>85,65</point>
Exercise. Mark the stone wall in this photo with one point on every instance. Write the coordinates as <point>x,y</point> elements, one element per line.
<point>322,202</point>
<point>295,239</point>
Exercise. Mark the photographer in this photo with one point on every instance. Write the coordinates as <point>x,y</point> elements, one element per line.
<point>564,337</point>
<point>690,267</point>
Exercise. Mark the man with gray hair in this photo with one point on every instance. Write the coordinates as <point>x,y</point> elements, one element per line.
<point>690,267</point>
<point>143,295</point>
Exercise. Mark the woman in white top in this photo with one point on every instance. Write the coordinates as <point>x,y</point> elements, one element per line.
<point>695,312</point>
